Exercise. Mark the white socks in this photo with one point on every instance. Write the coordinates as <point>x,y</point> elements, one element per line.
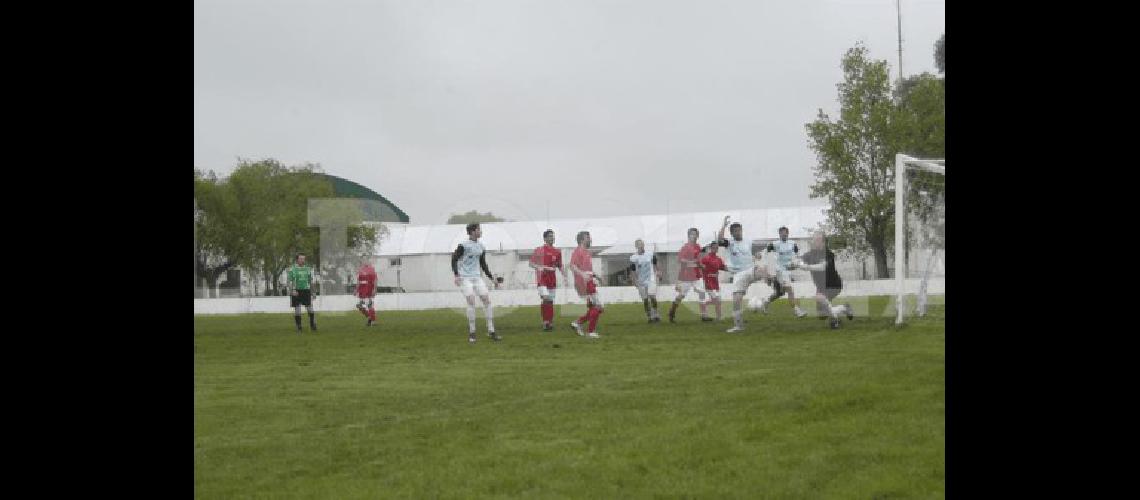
<point>471,319</point>
<point>490,318</point>
<point>833,311</point>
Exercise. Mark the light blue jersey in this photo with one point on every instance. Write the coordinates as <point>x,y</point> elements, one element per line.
<point>739,255</point>
<point>469,262</point>
<point>785,252</point>
<point>644,267</point>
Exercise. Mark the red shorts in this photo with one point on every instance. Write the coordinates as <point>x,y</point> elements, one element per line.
<point>550,283</point>
<point>713,284</point>
<point>364,293</point>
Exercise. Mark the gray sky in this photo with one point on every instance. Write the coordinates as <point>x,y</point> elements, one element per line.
<point>581,107</point>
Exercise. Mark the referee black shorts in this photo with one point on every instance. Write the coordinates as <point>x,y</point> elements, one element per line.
<point>303,298</point>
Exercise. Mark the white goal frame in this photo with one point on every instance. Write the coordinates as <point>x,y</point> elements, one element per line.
<point>902,163</point>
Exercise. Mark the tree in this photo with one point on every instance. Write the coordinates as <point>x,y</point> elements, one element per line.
<point>256,218</point>
<point>272,214</point>
<point>921,116</point>
<point>855,154</point>
<point>473,216</point>
<point>940,54</point>
<point>921,122</point>
<point>855,157</point>
<point>921,101</point>
<point>214,242</point>
<point>259,218</point>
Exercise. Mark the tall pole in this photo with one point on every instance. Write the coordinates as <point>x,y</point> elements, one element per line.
<point>898,8</point>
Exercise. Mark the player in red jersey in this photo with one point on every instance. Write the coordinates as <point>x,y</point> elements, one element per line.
<point>365,291</point>
<point>689,275</point>
<point>545,261</point>
<point>711,266</point>
<point>585,284</point>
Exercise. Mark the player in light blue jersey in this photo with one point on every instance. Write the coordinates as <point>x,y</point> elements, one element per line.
<point>466,262</point>
<point>743,267</point>
<point>786,250</point>
<point>645,277</point>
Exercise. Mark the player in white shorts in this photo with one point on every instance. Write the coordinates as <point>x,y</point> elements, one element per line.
<point>466,261</point>
<point>645,276</point>
<point>711,266</point>
<point>743,268</point>
<point>689,271</point>
<point>786,250</point>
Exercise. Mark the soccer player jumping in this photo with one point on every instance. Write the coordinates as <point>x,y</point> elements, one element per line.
<point>743,268</point>
<point>584,284</point>
<point>366,291</point>
<point>545,261</point>
<point>300,279</point>
<point>466,261</point>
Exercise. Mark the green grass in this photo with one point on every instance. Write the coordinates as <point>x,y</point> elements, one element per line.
<point>788,409</point>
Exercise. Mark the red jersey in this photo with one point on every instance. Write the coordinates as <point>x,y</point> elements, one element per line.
<point>549,256</point>
<point>710,265</point>
<point>581,259</point>
<point>366,282</point>
<point>690,251</point>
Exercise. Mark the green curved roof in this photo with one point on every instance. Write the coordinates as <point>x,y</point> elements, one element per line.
<point>349,189</point>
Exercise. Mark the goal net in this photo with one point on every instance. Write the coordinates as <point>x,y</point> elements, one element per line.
<point>920,235</point>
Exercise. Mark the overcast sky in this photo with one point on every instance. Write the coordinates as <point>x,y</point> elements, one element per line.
<point>582,108</point>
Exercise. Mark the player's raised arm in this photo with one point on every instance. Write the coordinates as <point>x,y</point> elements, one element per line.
<point>720,234</point>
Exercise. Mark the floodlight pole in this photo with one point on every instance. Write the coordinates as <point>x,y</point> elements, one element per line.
<point>898,8</point>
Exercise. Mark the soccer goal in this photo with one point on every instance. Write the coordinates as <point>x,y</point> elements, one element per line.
<point>920,234</point>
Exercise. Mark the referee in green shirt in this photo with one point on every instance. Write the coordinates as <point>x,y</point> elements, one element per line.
<point>300,279</point>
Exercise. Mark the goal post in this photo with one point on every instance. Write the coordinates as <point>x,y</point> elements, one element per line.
<point>903,165</point>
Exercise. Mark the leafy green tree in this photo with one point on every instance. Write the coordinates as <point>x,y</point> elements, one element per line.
<point>259,218</point>
<point>855,157</point>
<point>473,216</point>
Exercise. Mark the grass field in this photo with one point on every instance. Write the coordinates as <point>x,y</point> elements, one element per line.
<point>788,409</point>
